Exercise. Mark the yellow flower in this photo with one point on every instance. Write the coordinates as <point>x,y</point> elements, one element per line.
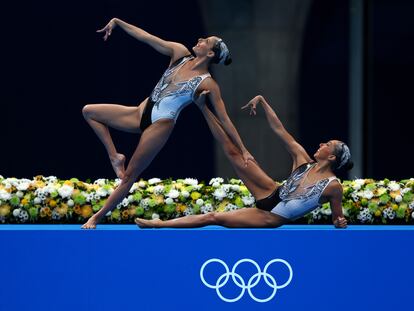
<point>178,185</point>
<point>377,213</point>
<point>39,184</point>
<point>62,209</point>
<point>195,195</point>
<point>181,208</point>
<point>394,207</point>
<point>159,199</point>
<point>222,205</point>
<point>77,209</point>
<point>24,201</point>
<point>125,214</point>
<point>68,182</point>
<point>86,211</point>
<point>52,203</point>
<point>45,211</point>
<point>393,194</point>
<point>4,210</point>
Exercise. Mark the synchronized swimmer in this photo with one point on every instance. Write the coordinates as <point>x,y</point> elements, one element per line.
<point>154,118</point>
<point>311,183</point>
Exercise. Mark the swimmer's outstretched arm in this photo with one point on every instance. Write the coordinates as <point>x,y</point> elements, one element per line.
<point>210,87</point>
<point>298,153</point>
<point>172,49</point>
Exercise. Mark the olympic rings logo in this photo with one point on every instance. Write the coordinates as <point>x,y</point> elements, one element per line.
<point>241,283</point>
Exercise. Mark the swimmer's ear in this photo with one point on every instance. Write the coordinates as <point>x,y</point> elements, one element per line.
<point>211,54</point>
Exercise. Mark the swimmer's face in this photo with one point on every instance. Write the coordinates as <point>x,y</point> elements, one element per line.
<point>326,150</point>
<point>204,46</point>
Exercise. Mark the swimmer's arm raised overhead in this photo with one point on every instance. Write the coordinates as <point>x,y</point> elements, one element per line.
<point>172,49</point>
<point>298,153</point>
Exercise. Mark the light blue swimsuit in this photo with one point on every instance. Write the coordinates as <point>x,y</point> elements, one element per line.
<point>297,201</point>
<point>169,96</point>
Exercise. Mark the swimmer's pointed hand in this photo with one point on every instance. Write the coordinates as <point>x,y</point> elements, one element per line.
<point>247,157</point>
<point>108,29</point>
<point>252,104</point>
<point>201,99</point>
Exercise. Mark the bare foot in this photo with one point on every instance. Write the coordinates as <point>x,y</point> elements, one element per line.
<point>118,165</point>
<point>145,223</point>
<point>90,224</point>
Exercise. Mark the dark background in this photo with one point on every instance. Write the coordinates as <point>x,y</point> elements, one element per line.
<point>54,63</point>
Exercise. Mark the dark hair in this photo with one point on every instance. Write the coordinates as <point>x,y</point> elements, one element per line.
<point>216,59</point>
<point>339,149</point>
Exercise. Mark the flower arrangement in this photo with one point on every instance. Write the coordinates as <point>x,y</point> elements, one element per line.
<point>50,200</point>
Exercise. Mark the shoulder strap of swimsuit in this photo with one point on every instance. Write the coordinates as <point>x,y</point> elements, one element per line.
<point>178,61</point>
<point>203,77</point>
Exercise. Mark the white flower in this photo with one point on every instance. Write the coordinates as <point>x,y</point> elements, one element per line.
<point>393,186</point>
<point>100,182</point>
<point>108,214</point>
<point>55,215</point>
<point>1,177</point>
<point>388,213</point>
<point>199,202</point>
<point>4,195</point>
<point>219,194</point>
<point>23,184</point>
<point>235,188</point>
<point>155,216</point>
<point>358,183</point>
<point>411,205</point>
<point>412,215</point>
<point>71,203</point>
<point>51,179</point>
<point>198,187</point>
<point>89,196</point>
<point>169,201</point>
<point>248,200</point>
<point>19,194</point>
<point>154,181</point>
<point>141,184</point>
<point>16,212</point>
<point>398,198</point>
<point>315,213</point>
<point>326,211</point>
<point>405,190</point>
<point>23,215</point>
<point>191,181</point>
<point>37,200</point>
<point>216,180</point>
<point>216,184</point>
<point>367,194</point>
<point>130,198</point>
<point>159,189</point>
<point>102,192</point>
<point>226,187</point>
<point>65,191</point>
<point>364,215</point>
<point>231,207</point>
<point>206,208</point>
<point>188,211</point>
<point>173,194</point>
<point>185,194</point>
<point>134,187</point>
<point>117,182</point>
